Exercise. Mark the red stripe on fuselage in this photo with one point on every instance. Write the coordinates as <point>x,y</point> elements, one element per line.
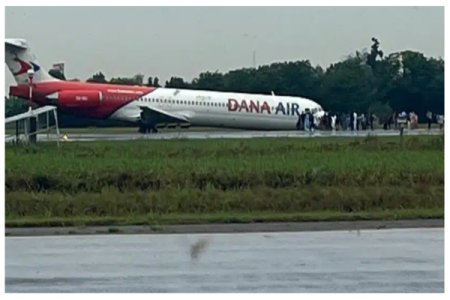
<point>114,96</point>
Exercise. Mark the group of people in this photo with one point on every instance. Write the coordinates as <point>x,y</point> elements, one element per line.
<point>351,121</point>
<point>355,122</point>
<point>400,120</point>
<point>307,121</point>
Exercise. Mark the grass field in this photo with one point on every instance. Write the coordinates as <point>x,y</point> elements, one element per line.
<point>195,181</point>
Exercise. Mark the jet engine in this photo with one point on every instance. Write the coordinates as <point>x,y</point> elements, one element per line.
<point>77,99</point>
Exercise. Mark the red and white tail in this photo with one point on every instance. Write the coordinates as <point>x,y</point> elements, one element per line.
<point>20,60</point>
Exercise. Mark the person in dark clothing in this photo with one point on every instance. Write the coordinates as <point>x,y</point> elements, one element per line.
<point>302,119</point>
<point>311,122</point>
<point>429,119</point>
<point>371,119</point>
<point>351,122</point>
<point>299,122</point>
<point>329,121</point>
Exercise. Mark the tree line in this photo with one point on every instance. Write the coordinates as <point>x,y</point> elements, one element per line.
<point>366,81</point>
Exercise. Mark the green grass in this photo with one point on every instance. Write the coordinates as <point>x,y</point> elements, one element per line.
<point>234,217</point>
<point>204,179</point>
<point>111,202</point>
<point>224,164</point>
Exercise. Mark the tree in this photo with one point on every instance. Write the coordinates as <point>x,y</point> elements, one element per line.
<point>242,80</point>
<point>15,106</point>
<point>149,81</point>
<point>177,82</point>
<point>420,84</point>
<point>156,82</point>
<point>209,81</point>
<point>138,79</point>
<point>123,81</point>
<point>348,86</point>
<point>98,77</point>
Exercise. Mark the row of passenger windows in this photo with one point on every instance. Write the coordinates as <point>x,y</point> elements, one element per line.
<point>117,97</point>
<point>185,102</point>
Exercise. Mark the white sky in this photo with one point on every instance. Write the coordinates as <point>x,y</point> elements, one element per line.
<point>184,41</point>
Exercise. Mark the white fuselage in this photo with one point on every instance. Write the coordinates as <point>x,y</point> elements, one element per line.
<point>223,109</point>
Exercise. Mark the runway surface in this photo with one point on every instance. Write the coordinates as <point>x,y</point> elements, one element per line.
<point>394,260</point>
<point>236,134</point>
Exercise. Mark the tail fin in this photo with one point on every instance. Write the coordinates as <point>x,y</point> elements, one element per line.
<point>19,59</point>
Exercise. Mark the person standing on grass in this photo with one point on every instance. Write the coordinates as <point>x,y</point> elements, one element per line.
<point>311,123</point>
<point>333,122</point>
<point>429,119</point>
<point>351,122</point>
<point>371,119</point>
<point>306,122</point>
<point>355,121</point>
<point>299,122</point>
<point>402,120</point>
<point>302,118</point>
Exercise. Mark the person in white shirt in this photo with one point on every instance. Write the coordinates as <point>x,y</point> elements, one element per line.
<point>333,122</point>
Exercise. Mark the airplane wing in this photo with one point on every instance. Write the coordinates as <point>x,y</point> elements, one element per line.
<point>155,116</point>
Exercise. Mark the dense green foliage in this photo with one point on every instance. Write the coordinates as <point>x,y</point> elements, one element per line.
<point>227,177</point>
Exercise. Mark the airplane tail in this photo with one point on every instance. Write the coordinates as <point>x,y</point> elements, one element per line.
<point>20,60</point>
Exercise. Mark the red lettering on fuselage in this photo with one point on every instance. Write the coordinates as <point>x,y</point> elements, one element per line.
<point>233,105</point>
<point>243,106</point>
<point>265,106</point>
<point>254,107</point>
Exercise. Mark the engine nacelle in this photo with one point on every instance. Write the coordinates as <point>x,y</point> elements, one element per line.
<point>82,99</point>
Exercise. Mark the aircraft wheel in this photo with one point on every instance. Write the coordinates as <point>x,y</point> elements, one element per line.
<point>142,129</point>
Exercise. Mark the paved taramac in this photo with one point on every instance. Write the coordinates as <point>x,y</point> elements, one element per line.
<point>392,260</point>
<point>186,134</point>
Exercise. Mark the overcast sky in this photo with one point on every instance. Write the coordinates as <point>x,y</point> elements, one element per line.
<point>184,41</point>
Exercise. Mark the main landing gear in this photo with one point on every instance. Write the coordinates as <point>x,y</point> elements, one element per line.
<point>147,129</point>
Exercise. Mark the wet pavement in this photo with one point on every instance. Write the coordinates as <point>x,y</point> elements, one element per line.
<point>392,260</point>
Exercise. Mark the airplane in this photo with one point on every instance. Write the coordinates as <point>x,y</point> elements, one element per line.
<point>151,108</point>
